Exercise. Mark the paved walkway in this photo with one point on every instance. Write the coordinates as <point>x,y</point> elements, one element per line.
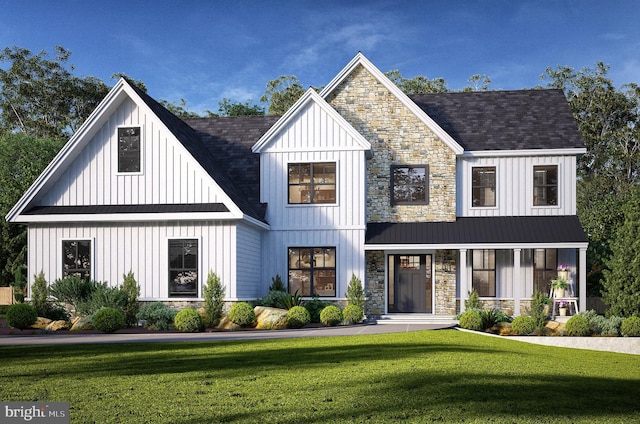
<point>629,345</point>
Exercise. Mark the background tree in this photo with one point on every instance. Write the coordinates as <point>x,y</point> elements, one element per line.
<point>229,108</point>
<point>282,93</point>
<point>180,109</point>
<point>418,84</point>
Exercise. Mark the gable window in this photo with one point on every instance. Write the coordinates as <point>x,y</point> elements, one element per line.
<point>312,183</point>
<point>483,186</point>
<point>312,270</point>
<point>129,149</point>
<point>183,268</point>
<point>545,185</point>
<point>76,259</point>
<point>545,269</point>
<point>410,184</point>
<point>484,272</point>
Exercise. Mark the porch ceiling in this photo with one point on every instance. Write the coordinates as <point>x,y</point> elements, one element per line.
<point>511,231</point>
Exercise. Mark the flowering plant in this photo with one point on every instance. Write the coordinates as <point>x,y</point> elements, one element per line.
<point>563,267</point>
<point>563,304</point>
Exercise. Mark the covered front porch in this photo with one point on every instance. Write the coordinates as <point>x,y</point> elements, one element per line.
<point>429,268</point>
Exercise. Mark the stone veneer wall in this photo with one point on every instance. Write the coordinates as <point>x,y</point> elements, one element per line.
<point>397,136</point>
<point>445,284</point>
<point>374,286</point>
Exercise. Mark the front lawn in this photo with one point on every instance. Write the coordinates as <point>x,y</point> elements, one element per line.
<point>417,377</point>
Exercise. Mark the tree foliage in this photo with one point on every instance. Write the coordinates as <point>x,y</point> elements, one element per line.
<point>229,108</point>
<point>418,84</point>
<point>282,93</point>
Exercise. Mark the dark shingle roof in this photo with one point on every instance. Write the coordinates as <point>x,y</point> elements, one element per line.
<point>487,230</point>
<point>504,120</point>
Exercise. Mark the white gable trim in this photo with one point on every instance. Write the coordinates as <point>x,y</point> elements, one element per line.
<point>360,59</point>
<point>527,152</point>
<point>309,97</point>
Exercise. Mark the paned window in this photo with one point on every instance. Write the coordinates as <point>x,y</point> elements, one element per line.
<point>484,272</point>
<point>483,186</point>
<point>129,149</point>
<point>545,185</point>
<point>410,184</point>
<point>76,259</point>
<point>545,269</point>
<point>183,268</point>
<point>312,183</point>
<point>312,270</point>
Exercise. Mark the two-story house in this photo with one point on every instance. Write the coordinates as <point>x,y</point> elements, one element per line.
<point>423,197</point>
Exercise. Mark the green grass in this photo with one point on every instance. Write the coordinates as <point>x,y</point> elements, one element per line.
<point>417,377</point>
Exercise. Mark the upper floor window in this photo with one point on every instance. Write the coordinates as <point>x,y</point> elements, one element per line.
<point>484,272</point>
<point>312,270</point>
<point>129,149</point>
<point>545,185</point>
<point>312,183</point>
<point>483,186</point>
<point>76,259</point>
<point>183,267</point>
<point>410,184</point>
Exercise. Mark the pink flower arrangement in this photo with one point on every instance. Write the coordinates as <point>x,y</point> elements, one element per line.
<point>563,267</point>
<point>563,304</point>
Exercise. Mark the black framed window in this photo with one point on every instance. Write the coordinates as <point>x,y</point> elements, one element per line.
<point>129,159</point>
<point>409,184</point>
<point>183,268</point>
<point>545,185</point>
<point>483,186</point>
<point>76,259</point>
<point>312,183</point>
<point>312,270</point>
<point>545,269</point>
<point>484,272</point>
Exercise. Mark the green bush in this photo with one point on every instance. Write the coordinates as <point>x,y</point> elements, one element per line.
<point>130,290</point>
<point>315,306</point>
<point>274,299</point>
<point>601,325</point>
<point>156,315</point>
<point>631,327</point>
<point>298,317</point>
<point>538,303</point>
<point>355,292</point>
<point>108,320</point>
<point>102,296</point>
<point>353,314</point>
<point>39,294</point>
<point>213,292</point>
<point>612,326</point>
<point>491,317</point>
<point>276,284</point>
<point>242,314</point>
<point>471,320</point>
<point>189,321</point>
<point>56,312</point>
<point>577,326</point>
<point>331,316</point>
<point>523,325</point>
<point>72,290</point>
<point>473,303</point>
<point>291,300</point>
<point>21,315</point>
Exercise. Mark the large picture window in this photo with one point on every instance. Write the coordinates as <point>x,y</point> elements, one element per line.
<point>129,149</point>
<point>545,185</point>
<point>312,270</point>
<point>483,186</point>
<point>76,259</point>
<point>409,184</point>
<point>312,183</point>
<point>484,272</point>
<point>183,268</point>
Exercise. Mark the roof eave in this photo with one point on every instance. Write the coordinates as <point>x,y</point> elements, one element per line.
<point>525,152</point>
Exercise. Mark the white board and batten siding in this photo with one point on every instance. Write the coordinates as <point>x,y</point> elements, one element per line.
<point>514,186</point>
<point>142,247</point>
<point>314,136</point>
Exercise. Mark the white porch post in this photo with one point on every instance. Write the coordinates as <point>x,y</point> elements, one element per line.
<point>462,272</point>
<point>583,279</point>
<point>517,286</point>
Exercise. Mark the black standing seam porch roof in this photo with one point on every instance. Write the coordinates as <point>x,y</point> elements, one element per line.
<point>480,230</point>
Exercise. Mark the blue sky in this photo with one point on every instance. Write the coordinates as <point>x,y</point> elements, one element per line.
<point>202,51</point>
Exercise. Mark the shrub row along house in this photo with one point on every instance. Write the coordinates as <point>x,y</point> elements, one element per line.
<point>421,197</point>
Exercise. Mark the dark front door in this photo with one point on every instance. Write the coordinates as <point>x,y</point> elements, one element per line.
<point>412,283</point>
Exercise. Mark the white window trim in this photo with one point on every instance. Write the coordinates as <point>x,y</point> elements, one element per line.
<point>166,268</point>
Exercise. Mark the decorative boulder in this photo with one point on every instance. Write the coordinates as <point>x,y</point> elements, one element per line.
<point>81,323</point>
<point>58,325</point>
<point>270,318</point>
<point>41,323</point>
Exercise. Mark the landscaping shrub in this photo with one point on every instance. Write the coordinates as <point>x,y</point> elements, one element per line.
<point>577,326</point>
<point>523,325</point>
<point>213,293</point>
<point>102,296</point>
<point>298,317</point>
<point>39,294</point>
<point>612,326</point>
<point>491,317</point>
<point>274,299</point>
<point>108,320</point>
<point>631,327</point>
<point>189,321</point>
<point>331,316</point>
<point>72,290</point>
<point>56,312</point>
<point>471,320</point>
<point>130,290</point>
<point>242,314</point>
<point>289,301</point>
<point>601,325</point>
<point>21,315</point>
<point>352,314</point>
<point>473,303</point>
<point>315,306</point>
<point>538,303</point>
<point>156,315</point>
<point>276,284</point>
<point>355,292</point>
